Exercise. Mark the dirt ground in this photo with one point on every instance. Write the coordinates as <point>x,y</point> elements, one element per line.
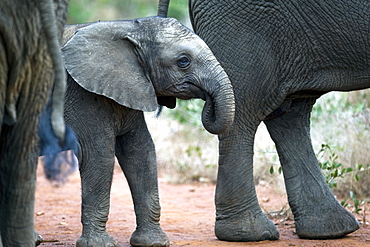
<point>188,215</point>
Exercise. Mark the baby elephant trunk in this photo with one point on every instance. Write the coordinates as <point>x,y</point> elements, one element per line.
<point>219,109</point>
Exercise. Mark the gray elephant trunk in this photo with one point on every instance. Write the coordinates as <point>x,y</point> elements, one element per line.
<point>219,109</point>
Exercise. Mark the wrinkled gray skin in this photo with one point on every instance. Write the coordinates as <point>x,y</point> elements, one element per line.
<point>116,70</point>
<point>280,57</point>
<point>30,63</point>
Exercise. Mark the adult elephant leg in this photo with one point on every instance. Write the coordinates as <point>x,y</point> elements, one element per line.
<point>96,171</point>
<point>19,156</point>
<point>17,182</point>
<point>318,215</point>
<point>136,155</point>
<point>238,214</point>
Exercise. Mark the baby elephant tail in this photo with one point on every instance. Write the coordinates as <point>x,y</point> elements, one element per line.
<point>58,158</point>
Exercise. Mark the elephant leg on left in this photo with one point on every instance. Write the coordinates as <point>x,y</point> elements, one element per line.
<point>317,214</point>
<point>135,152</point>
<point>17,186</point>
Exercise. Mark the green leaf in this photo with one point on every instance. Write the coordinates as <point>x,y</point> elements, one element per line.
<point>337,165</point>
<point>280,169</point>
<point>271,170</point>
<point>349,169</point>
<point>357,211</point>
<point>334,174</point>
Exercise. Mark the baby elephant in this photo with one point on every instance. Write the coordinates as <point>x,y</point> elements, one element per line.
<point>117,70</point>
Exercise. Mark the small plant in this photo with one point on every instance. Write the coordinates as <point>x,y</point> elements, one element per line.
<point>356,203</point>
<point>332,170</point>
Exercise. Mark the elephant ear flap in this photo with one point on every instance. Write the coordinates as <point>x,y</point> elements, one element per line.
<point>103,61</point>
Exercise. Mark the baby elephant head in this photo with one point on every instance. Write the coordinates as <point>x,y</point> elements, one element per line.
<point>134,61</point>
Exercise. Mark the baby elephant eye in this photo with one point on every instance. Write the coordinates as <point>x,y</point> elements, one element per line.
<point>183,62</point>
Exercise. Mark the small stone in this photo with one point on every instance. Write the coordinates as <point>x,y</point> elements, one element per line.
<point>265,199</point>
<point>40,213</point>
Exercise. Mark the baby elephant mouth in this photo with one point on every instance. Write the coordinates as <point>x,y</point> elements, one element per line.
<point>191,92</point>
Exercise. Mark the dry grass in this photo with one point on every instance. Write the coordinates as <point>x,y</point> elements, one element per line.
<point>184,153</point>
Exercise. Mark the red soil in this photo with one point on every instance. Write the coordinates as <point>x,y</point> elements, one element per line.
<point>188,215</point>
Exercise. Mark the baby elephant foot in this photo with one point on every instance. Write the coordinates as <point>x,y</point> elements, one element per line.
<point>96,239</point>
<point>149,237</point>
<point>250,227</point>
<point>330,222</point>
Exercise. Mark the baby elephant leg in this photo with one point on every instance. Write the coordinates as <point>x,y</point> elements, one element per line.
<point>96,171</point>
<point>136,154</point>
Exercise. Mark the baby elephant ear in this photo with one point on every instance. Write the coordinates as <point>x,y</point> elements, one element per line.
<point>100,60</point>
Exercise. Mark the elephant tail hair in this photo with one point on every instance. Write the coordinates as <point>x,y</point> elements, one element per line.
<point>57,156</point>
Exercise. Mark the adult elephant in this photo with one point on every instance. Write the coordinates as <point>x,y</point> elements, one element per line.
<point>117,70</point>
<point>30,69</point>
<point>280,57</point>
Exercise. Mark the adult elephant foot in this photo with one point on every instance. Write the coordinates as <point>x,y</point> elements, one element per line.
<point>250,227</point>
<point>326,221</point>
<point>149,237</point>
<point>96,239</point>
